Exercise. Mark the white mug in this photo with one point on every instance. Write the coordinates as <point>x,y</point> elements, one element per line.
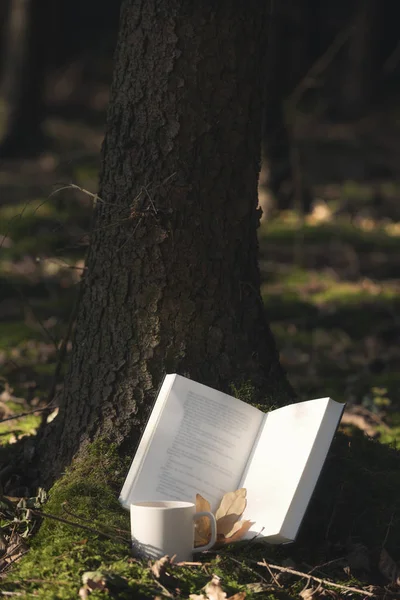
<point>167,528</point>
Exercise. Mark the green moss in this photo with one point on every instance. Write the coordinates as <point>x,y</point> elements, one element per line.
<point>18,427</point>
<point>41,226</point>
<point>62,552</point>
<point>356,192</point>
<point>13,333</point>
<point>348,293</point>
<point>285,233</point>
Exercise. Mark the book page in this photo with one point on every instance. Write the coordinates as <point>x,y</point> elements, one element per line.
<point>201,444</point>
<point>285,465</point>
<point>147,436</point>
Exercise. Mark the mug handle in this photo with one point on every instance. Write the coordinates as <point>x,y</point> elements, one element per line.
<point>213,530</point>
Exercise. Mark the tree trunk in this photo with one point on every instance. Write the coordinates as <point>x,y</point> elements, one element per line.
<point>25,71</point>
<point>172,281</point>
<point>287,63</point>
<point>361,73</point>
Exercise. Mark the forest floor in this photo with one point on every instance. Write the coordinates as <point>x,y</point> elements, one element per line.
<point>331,287</point>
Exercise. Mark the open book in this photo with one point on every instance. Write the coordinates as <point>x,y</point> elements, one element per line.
<point>199,440</point>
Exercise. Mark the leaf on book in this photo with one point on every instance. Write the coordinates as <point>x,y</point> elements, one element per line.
<point>202,532</point>
<point>229,528</point>
<point>233,503</point>
<point>226,524</point>
<point>238,531</point>
<point>388,567</point>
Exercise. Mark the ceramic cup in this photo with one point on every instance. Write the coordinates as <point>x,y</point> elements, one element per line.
<point>167,528</point>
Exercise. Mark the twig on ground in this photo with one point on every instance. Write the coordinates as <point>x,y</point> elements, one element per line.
<point>13,560</point>
<point>75,516</point>
<point>252,571</point>
<point>325,564</point>
<point>78,525</point>
<point>318,579</point>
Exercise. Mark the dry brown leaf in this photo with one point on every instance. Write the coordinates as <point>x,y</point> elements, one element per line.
<point>308,593</point>
<point>92,580</point>
<point>96,585</point>
<point>202,503</point>
<point>162,570</point>
<point>233,503</point>
<point>214,590</point>
<point>202,532</point>
<point>316,593</point>
<point>330,594</point>
<point>16,548</point>
<point>238,596</point>
<point>226,524</point>
<point>388,567</point>
<point>238,531</point>
<point>257,588</point>
<point>229,528</point>
<point>84,592</point>
<point>159,568</point>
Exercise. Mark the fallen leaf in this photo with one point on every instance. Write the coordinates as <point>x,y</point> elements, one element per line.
<point>233,503</point>
<point>16,548</point>
<point>162,569</point>
<point>159,568</point>
<point>202,532</point>
<point>226,525</point>
<point>308,593</point>
<point>83,592</point>
<point>94,580</point>
<point>238,531</point>
<point>388,567</point>
<point>214,590</point>
<point>257,588</point>
<point>330,594</point>
<point>238,596</point>
<point>96,585</point>
<point>229,528</point>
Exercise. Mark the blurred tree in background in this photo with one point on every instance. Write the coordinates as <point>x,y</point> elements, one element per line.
<point>53,52</point>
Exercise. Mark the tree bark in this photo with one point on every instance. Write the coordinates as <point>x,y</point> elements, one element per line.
<point>172,281</point>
